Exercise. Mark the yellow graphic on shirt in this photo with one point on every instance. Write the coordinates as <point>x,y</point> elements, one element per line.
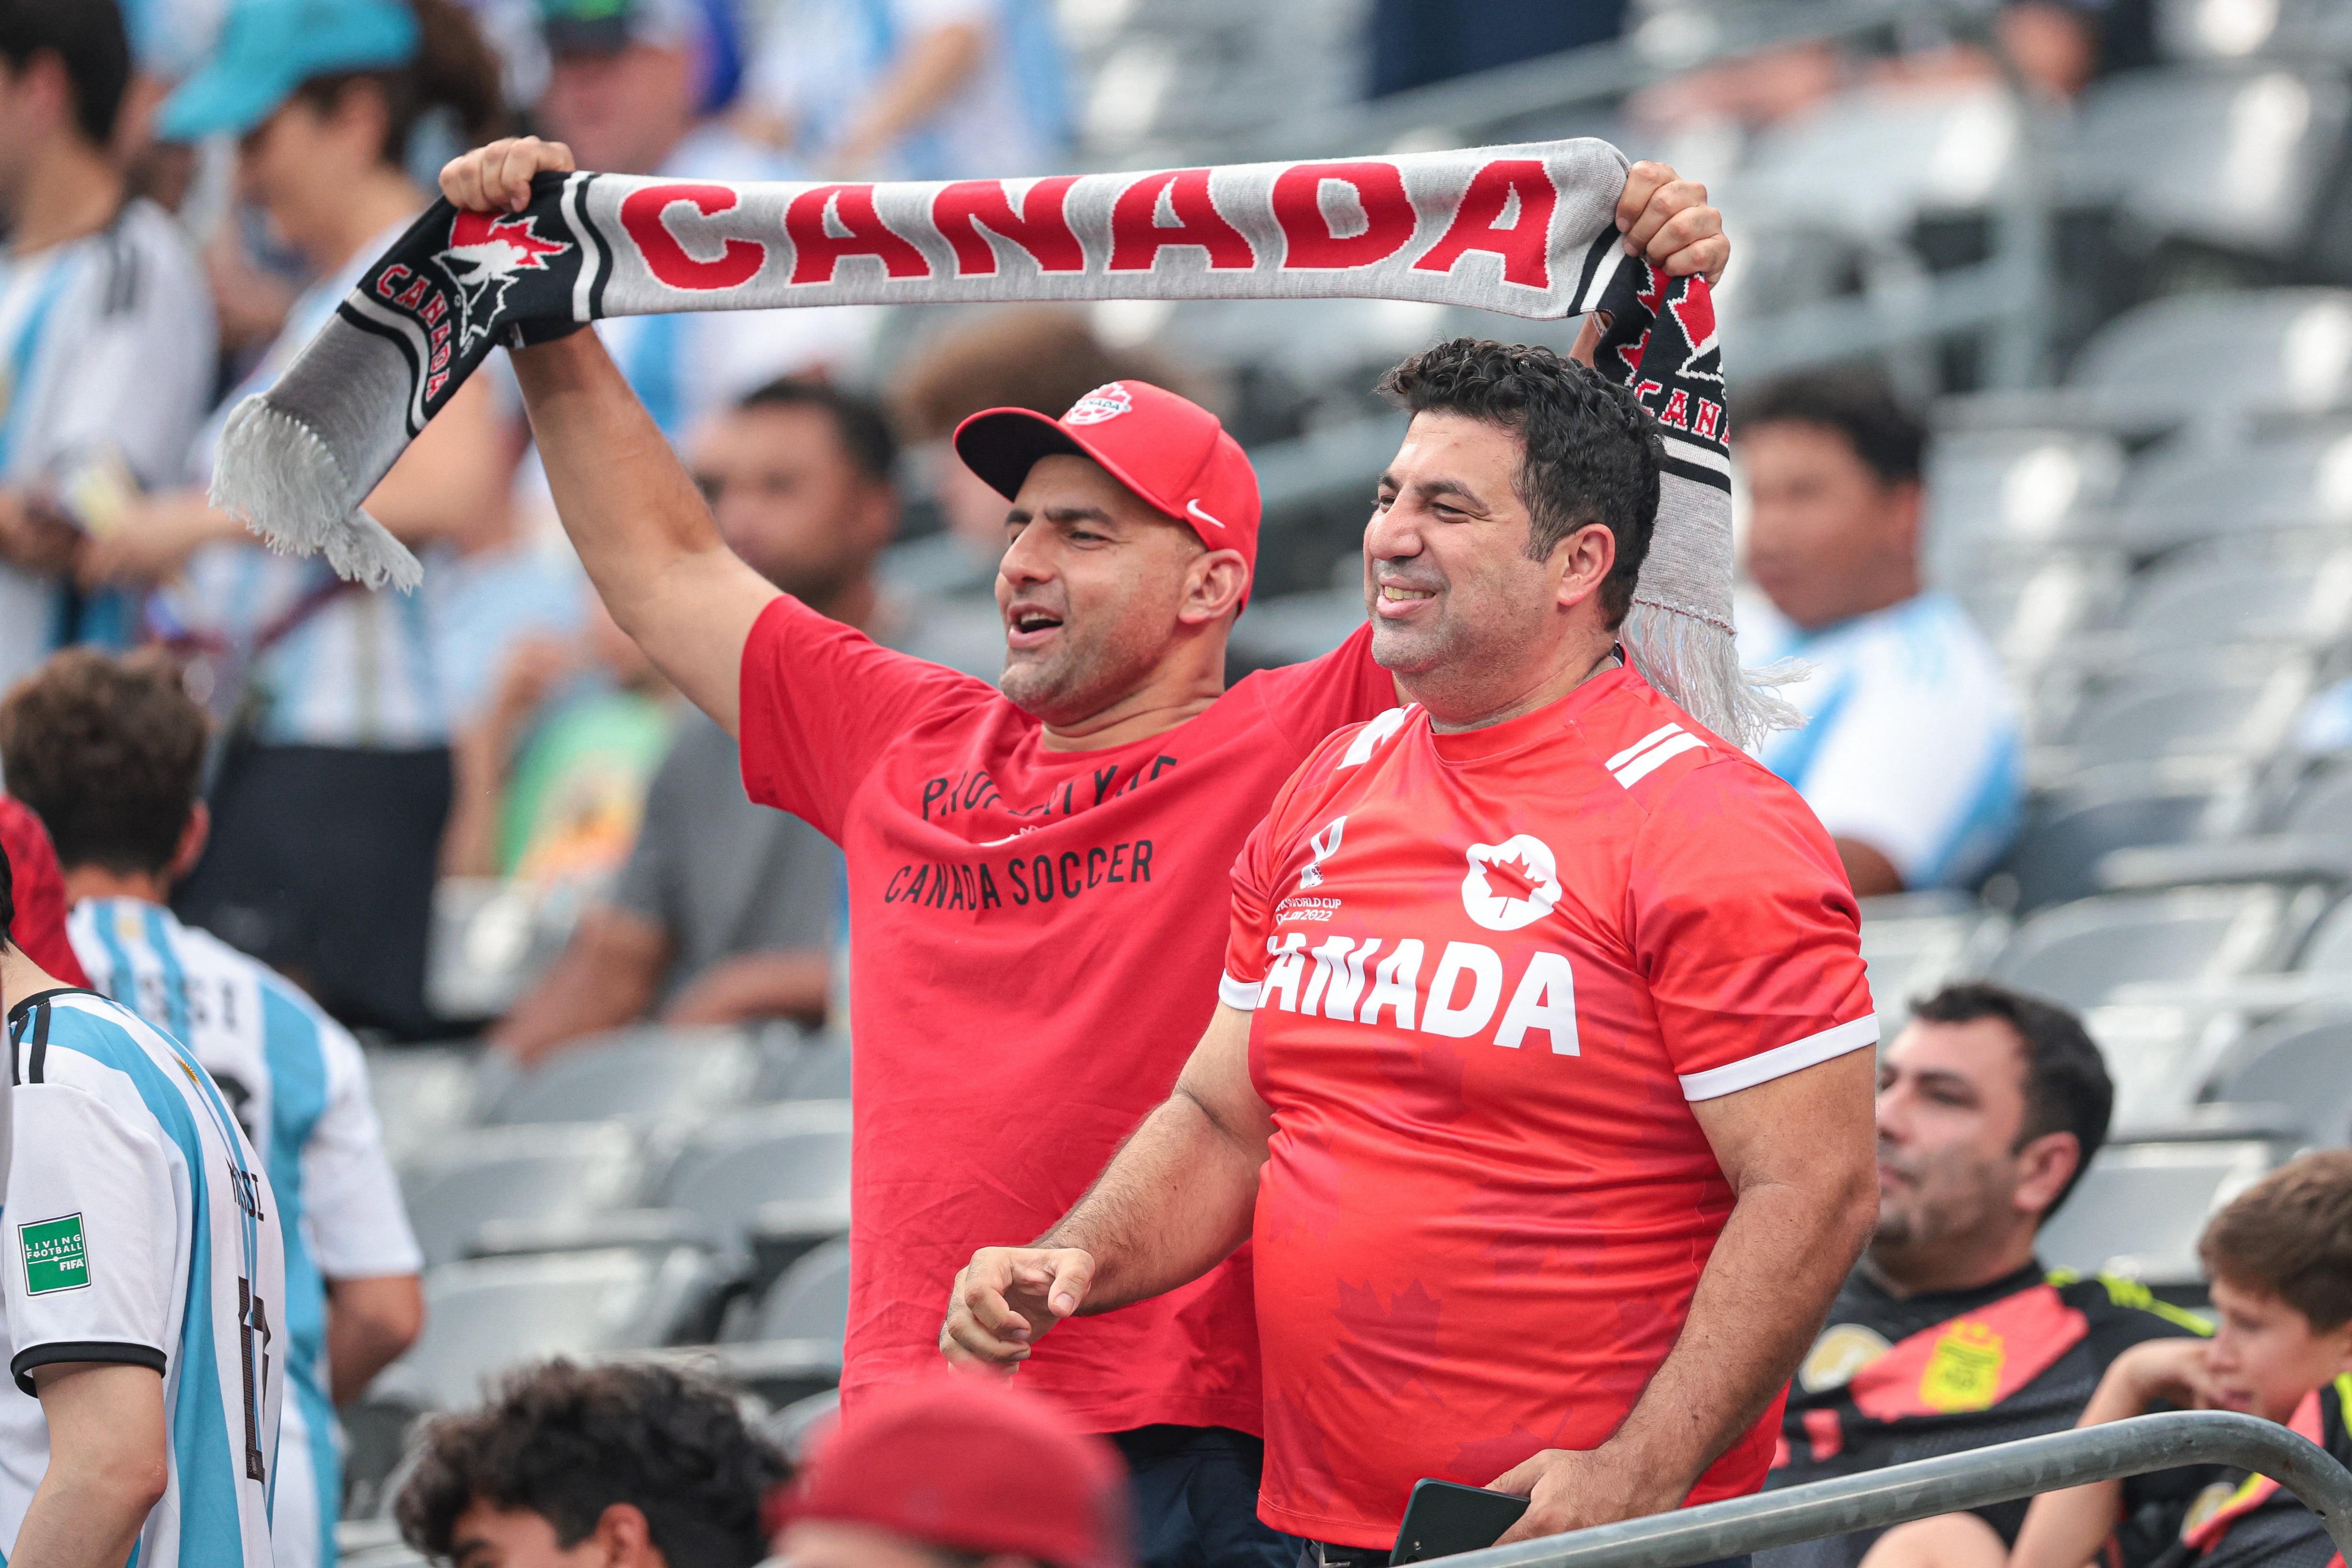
<point>2213,1499</point>
<point>1964,1371</point>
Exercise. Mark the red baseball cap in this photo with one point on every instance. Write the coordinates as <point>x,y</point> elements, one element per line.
<point>972,1464</point>
<point>1168,449</point>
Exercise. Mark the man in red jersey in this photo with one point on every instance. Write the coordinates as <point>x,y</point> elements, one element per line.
<point>1037,875</point>
<point>40,892</point>
<point>1539,1079</point>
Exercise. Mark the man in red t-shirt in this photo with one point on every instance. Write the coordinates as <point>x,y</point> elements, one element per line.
<point>40,892</point>
<point>1037,874</point>
<point>1540,1081</point>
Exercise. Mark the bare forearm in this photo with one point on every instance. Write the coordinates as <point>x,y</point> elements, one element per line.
<point>370,1322</point>
<point>79,1519</point>
<point>1764,1294</point>
<point>1172,1203</point>
<point>932,70</point>
<point>786,985</point>
<point>605,977</point>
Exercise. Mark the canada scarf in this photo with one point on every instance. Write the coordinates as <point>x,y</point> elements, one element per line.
<point>1528,230</point>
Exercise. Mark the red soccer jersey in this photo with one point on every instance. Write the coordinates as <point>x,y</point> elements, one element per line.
<point>1035,942</point>
<point>1490,970</point>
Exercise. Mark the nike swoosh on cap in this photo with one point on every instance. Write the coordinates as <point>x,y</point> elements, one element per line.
<point>1195,508</point>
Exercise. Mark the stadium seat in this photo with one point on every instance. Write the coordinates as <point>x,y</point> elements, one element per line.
<point>650,1075</point>
<point>2080,953</point>
<point>1913,942</point>
<point>2153,1052</point>
<point>2213,356</point>
<point>2016,490</point>
<point>2300,1062</point>
<point>544,1175</point>
<point>491,939</point>
<point>1870,162</point>
<point>2030,612</point>
<point>2140,1207</point>
<point>2273,29</point>
<point>792,1428</point>
<point>421,1093</point>
<point>811,1301</point>
<point>486,1314</point>
<point>2293,590</point>
<point>2164,149</point>
<point>797,1065</point>
<point>2321,803</point>
<point>2203,489</point>
<point>796,1152</point>
<point>2238,702</point>
<point>2069,832</point>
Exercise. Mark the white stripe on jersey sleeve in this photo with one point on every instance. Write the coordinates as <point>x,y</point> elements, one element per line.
<point>1649,761</point>
<point>1782,1060</point>
<point>1240,994</point>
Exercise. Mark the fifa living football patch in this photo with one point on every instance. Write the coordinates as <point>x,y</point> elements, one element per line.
<point>55,1255</point>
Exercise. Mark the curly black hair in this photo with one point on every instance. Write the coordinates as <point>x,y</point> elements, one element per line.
<point>108,751</point>
<point>1593,450</point>
<point>567,1442</point>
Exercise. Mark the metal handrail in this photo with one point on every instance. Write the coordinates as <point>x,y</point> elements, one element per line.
<point>1949,1484</point>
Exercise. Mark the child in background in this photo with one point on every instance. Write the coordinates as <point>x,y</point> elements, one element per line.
<point>2280,1260</point>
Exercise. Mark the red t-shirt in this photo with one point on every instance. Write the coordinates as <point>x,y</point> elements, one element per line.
<point>1490,970</point>
<point>1036,940</point>
<point>39,893</point>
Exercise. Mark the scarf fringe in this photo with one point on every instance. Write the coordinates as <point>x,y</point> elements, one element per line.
<point>1696,665</point>
<point>275,475</point>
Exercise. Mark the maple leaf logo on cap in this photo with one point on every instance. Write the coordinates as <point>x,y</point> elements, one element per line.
<point>1511,884</point>
<point>1108,401</point>
<point>485,253</point>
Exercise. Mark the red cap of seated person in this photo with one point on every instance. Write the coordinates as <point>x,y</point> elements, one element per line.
<point>1168,449</point>
<point>40,928</point>
<point>970,1464</point>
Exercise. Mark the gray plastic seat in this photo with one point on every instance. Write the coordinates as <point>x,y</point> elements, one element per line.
<point>1910,949</point>
<point>652,1076</point>
<point>2293,591</point>
<point>2321,804</point>
<point>2162,148</point>
<point>2201,487</point>
<point>548,1175</point>
<point>2140,1207</point>
<point>2080,953</point>
<point>741,1165</point>
<point>2012,492</point>
<point>486,1315</point>
<point>2029,613</point>
<point>2232,706</point>
<point>810,1301</point>
<point>421,1093</point>
<point>2300,1062</point>
<point>2056,856</point>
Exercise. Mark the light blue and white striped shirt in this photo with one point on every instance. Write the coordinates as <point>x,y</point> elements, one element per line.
<point>142,1230</point>
<point>298,1084</point>
<point>1912,742</point>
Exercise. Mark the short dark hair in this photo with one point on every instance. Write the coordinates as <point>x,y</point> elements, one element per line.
<point>88,40</point>
<point>1593,450</point>
<point>2067,1089</point>
<point>2290,1236</point>
<point>108,752</point>
<point>865,430</point>
<point>1860,405</point>
<point>566,1442</point>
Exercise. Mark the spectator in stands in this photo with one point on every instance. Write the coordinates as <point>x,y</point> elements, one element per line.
<point>106,332</point>
<point>1911,756</point>
<point>552,779</point>
<point>622,1465</point>
<point>2279,1258</point>
<point>624,93</point>
<point>1044,358</point>
<point>912,89</point>
<point>1949,1334</point>
<point>725,909</point>
<point>328,810</point>
<point>40,892</point>
<point>955,1470</point>
<point>108,751</point>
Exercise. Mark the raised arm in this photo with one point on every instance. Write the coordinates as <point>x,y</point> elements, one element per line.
<point>633,512</point>
<point>1172,1202</point>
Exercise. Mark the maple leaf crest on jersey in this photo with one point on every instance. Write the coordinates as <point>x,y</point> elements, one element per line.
<point>486,254</point>
<point>1511,884</point>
